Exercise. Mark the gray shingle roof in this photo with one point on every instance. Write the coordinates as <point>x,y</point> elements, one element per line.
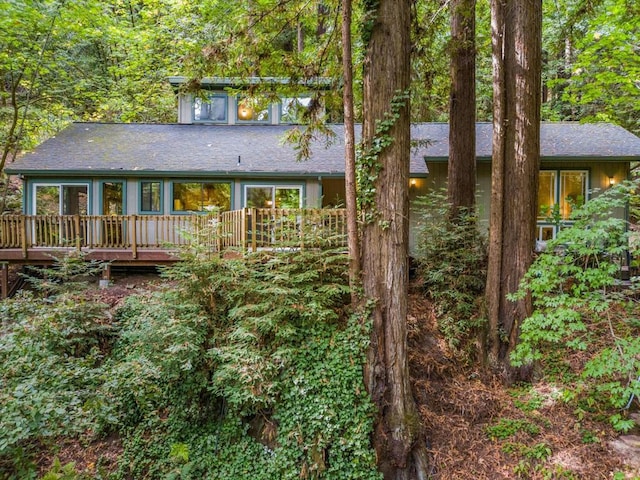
<point>145,149</point>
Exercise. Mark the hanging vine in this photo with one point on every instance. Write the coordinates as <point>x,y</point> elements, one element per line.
<point>368,156</point>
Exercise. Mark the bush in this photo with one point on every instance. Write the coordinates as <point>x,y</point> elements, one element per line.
<point>452,267</point>
<point>245,368</point>
<point>579,304</point>
<point>51,351</point>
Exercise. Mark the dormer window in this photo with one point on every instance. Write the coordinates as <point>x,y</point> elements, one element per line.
<point>293,109</point>
<point>253,110</point>
<point>211,109</point>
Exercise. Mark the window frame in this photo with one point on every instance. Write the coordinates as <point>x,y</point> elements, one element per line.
<point>281,110</point>
<point>101,185</point>
<point>542,223</point>
<point>209,97</point>
<point>141,210</point>
<point>174,211</point>
<point>239,99</point>
<point>60,184</point>
<point>274,186</point>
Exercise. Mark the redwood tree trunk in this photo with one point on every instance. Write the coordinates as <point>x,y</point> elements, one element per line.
<point>461,186</point>
<point>350,154</point>
<point>398,437</point>
<point>517,27</point>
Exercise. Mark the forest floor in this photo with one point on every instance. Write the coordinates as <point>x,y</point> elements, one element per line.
<point>476,428</point>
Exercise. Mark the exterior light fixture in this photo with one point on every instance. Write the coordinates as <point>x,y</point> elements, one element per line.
<point>245,112</point>
<point>612,181</point>
<point>413,183</point>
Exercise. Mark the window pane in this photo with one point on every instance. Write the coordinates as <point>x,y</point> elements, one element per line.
<point>573,189</point>
<point>150,196</point>
<point>187,196</point>
<point>198,197</point>
<point>47,200</point>
<point>74,200</point>
<point>253,109</point>
<point>259,197</point>
<point>216,195</point>
<point>287,197</point>
<point>213,109</point>
<point>293,109</point>
<point>546,195</point>
<point>112,198</point>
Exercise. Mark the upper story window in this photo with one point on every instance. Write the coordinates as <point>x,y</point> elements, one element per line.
<point>253,110</point>
<point>293,109</point>
<point>213,108</point>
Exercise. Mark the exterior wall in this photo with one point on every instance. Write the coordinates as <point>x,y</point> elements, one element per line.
<point>185,113</point>
<point>329,192</point>
<point>313,194</point>
<point>598,180</point>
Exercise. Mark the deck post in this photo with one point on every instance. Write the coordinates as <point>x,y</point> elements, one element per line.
<point>76,221</point>
<point>4,281</point>
<point>303,226</point>
<point>218,232</point>
<point>23,226</point>
<point>106,273</point>
<point>134,236</point>
<point>243,230</point>
<point>254,227</point>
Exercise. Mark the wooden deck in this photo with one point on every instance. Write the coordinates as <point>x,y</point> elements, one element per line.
<point>155,239</point>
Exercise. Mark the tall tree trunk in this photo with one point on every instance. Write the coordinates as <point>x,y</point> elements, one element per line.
<point>398,437</point>
<point>461,187</point>
<point>516,34</point>
<point>350,154</point>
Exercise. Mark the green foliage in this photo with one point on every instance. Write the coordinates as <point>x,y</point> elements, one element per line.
<point>245,368</point>
<point>452,267</point>
<point>63,472</point>
<point>507,427</point>
<point>579,306</point>
<point>368,165</point>
<point>591,61</point>
<point>51,351</point>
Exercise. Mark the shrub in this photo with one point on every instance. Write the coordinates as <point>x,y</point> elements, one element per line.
<point>452,267</point>
<point>51,351</point>
<point>245,368</point>
<point>579,304</point>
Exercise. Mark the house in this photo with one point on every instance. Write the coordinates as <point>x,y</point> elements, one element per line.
<point>121,191</point>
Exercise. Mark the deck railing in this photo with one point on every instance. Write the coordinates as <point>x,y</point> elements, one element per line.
<point>246,229</point>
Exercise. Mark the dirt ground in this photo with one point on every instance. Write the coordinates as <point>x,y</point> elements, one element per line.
<point>458,403</point>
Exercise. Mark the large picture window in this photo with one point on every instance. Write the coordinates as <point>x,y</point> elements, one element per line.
<point>201,196</point>
<point>273,196</point>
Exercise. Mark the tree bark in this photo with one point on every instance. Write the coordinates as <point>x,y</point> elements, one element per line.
<point>516,35</point>
<point>398,437</point>
<point>349,154</point>
<point>461,186</point>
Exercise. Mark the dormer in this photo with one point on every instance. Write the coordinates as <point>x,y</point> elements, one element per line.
<point>222,101</point>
